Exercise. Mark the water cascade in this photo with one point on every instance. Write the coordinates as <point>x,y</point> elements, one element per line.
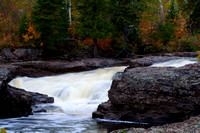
<point>75,93</point>
<point>176,62</point>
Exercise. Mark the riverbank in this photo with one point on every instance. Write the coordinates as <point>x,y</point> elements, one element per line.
<point>188,126</point>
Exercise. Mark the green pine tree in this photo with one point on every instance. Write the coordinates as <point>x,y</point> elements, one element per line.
<point>51,19</point>
<point>125,18</point>
<point>172,12</point>
<point>94,22</point>
<point>195,16</point>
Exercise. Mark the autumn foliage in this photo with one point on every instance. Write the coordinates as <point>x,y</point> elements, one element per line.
<point>113,26</point>
<point>31,36</point>
<point>102,44</point>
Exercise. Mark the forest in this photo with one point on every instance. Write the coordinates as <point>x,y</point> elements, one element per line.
<point>106,28</point>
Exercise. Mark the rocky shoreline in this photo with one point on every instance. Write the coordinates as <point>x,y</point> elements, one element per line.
<point>188,126</point>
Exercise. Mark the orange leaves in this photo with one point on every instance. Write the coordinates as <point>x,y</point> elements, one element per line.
<point>146,27</point>
<point>31,34</point>
<point>103,44</point>
<point>181,29</point>
<point>88,41</point>
<point>3,130</point>
<point>72,30</point>
<point>41,44</point>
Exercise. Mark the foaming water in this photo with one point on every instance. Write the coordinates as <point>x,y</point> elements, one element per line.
<point>176,62</point>
<point>74,93</point>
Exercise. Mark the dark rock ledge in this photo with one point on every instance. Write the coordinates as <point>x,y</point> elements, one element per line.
<point>16,102</point>
<point>154,95</point>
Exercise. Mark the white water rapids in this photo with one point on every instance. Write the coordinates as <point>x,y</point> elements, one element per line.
<point>75,93</point>
<point>176,62</point>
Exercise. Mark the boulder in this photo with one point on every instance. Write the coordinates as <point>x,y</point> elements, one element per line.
<point>16,102</point>
<point>154,95</point>
<point>21,53</point>
<point>8,54</point>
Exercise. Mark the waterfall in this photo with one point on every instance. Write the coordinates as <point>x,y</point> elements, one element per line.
<point>176,62</point>
<point>75,93</point>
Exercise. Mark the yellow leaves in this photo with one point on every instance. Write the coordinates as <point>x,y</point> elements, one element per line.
<point>3,130</point>
<point>146,26</point>
<point>198,57</point>
<point>26,38</point>
<point>181,28</point>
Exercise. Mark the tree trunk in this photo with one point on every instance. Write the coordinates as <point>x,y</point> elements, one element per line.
<point>70,13</point>
<point>162,10</point>
<point>125,34</point>
<point>95,51</point>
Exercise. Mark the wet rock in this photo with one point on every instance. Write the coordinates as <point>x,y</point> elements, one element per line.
<point>41,98</point>
<point>16,102</point>
<point>154,95</point>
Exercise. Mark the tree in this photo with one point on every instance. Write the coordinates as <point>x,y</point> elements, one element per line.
<point>93,21</point>
<point>51,19</point>
<point>124,15</point>
<point>195,16</point>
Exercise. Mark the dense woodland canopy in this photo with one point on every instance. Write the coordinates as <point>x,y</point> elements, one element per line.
<point>109,28</point>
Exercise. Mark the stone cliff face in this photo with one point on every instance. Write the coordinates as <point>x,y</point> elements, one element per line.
<point>154,95</point>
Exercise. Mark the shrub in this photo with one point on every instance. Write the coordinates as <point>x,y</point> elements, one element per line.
<point>3,130</point>
<point>189,44</point>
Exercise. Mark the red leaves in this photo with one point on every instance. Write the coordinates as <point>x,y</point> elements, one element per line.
<point>103,44</point>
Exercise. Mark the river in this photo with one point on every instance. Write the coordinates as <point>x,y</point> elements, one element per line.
<point>76,96</point>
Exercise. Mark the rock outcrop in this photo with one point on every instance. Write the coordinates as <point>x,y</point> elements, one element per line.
<point>154,95</point>
<point>16,102</point>
<point>18,54</point>
<point>52,67</point>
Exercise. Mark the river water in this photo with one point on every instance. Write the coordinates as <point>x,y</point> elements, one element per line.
<point>76,96</point>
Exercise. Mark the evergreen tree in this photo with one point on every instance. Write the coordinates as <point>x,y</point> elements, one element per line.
<point>195,16</point>
<point>94,21</point>
<point>51,19</point>
<point>125,18</point>
<point>172,13</point>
